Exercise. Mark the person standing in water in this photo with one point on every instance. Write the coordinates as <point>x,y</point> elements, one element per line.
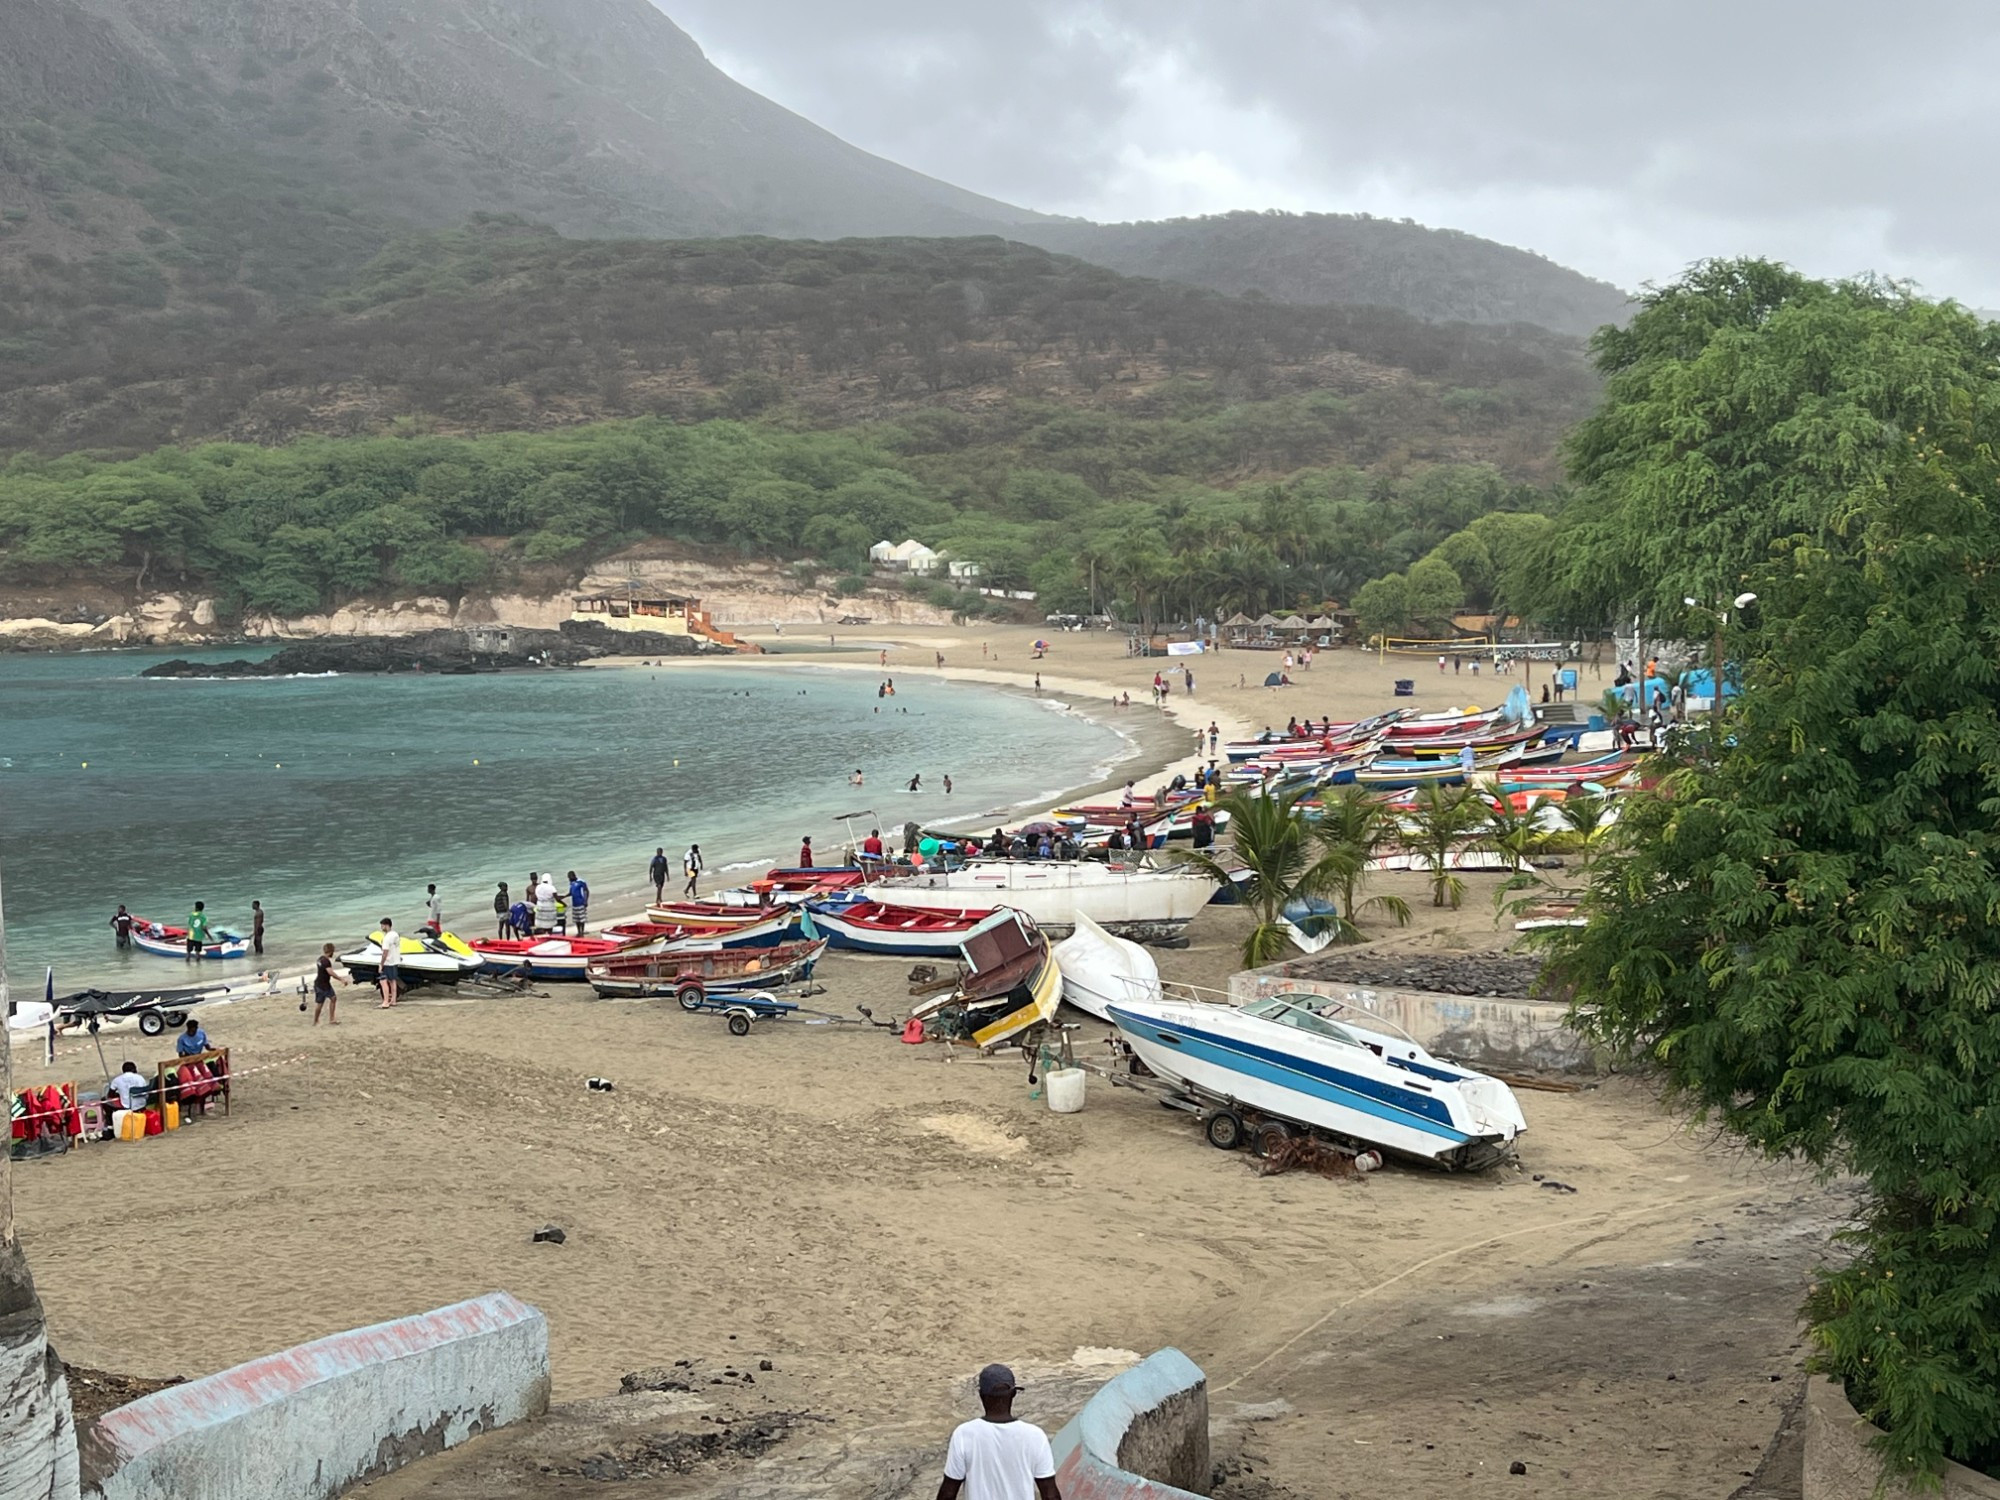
<point>121,926</point>
<point>917,782</point>
<point>503,906</point>
<point>257,927</point>
<point>197,938</point>
<point>947,786</point>
<point>806,852</point>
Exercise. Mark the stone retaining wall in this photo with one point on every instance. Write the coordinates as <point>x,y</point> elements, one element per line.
<point>309,1422</point>
<point>1143,1436</point>
<point>1493,1034</point>
<point>1841,1466</point>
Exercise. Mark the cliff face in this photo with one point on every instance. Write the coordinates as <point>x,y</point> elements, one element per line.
<point>749,595</point>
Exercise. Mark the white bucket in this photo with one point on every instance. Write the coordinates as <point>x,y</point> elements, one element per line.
<point>1065,1088</point>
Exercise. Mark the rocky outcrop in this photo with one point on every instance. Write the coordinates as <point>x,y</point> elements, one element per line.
<point>447,651</point>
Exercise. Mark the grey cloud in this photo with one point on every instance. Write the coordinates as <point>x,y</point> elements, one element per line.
<point>1625,137</point>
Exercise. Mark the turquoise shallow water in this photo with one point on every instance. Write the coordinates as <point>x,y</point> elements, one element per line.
<point>334,800</point>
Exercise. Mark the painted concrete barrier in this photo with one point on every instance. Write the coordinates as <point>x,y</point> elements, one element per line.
<point>1143,1436</point>
<point>308,1422</point>
<point>1839,1464</point>
<point>1508,1035</point>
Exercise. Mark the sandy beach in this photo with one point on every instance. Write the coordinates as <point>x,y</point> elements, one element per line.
<point>877,1220</point>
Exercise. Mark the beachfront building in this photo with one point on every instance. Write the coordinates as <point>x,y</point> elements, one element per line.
<point>660,614</point>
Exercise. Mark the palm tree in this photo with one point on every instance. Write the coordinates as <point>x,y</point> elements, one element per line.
<point>1449,820</point>
<point>1353,829</point>
<point>1516,832</point>
<point>1269,839</point>
<point>1587,815</point>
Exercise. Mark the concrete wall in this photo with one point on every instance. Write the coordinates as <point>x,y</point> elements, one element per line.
<point>307,1423</point>
<point>1143,1436</point>
<point>1841,1466</point>
<point>1524,1036</point>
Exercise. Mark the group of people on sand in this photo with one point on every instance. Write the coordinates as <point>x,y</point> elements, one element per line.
<point>543,909</point>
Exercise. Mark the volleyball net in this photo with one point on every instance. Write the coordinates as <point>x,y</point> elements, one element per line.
<point>1456,645</point>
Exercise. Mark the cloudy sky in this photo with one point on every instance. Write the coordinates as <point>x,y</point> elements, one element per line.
<point>1623,137</point>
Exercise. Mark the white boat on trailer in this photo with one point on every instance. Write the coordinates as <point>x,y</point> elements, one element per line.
<point>1280,1057</point>
<point>1135,903</point>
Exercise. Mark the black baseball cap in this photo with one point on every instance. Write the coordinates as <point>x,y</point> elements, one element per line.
<point>997,1380</point>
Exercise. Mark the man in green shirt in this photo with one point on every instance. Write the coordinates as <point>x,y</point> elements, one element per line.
<point>197,930</point>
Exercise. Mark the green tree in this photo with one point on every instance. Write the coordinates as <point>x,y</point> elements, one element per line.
<point>1446,821</point>
<point>1802,932</point>
<point>1268,838</point>
<point>1353,829</point>
<point>1382,605</point>
<point>1434,593</point>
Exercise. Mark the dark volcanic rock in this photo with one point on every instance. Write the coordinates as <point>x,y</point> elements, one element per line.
<point>1438,973</point>
<point>454,651</point>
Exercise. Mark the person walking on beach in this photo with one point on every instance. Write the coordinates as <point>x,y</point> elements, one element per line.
<point>391,942</point>
<point>121,926</point>
<point>691,866</point>
<point>657,872</point>
<point>257,927</point>
<point>806,852</point>
<point>433,911</point>
<point>503,906</point>
<point>997,1456</point>
<point>1214,738</point>
<point>579,901</point>
<point>197,938</point>
<point>324,997</point>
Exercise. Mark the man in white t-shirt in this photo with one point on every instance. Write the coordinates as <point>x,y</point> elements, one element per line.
<point>997,1456</point>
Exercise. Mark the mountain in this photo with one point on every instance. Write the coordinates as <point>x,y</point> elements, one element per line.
<point>1349,258</point>
<point>505,326</point>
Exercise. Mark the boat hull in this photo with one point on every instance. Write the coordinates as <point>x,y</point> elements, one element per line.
<point>1099,969</point>
<point>1406,1115</point>
<point>923,939</point>
<point>1144,905</point>
<point>716,973</point>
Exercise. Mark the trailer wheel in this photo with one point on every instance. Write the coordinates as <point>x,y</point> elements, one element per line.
<point>151,1023</point>
<point>1269,1138</point>
<point>739,1023</point>
<point>1224,1130</point>
<point>176,1018</point>
<point>690,995</point>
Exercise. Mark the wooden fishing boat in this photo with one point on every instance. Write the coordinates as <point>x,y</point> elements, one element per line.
<point>689,975</point>
<point>1010,983</point>
<point>706,913</point>
<point>773,927</point>
<point>907,931</point>
<point>558,958</point>
<point>163,940</point>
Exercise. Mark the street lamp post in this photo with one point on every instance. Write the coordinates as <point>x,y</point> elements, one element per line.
<point>1740,602</point>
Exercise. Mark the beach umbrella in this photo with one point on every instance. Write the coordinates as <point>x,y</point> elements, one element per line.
<point>1040,827</point>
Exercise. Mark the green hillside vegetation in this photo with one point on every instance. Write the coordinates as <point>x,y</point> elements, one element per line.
<point>503,326</point>
<point>1441,274</point>
<point>322,521</point>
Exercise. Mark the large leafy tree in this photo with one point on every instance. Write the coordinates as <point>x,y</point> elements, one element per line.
<point>1801,929</point>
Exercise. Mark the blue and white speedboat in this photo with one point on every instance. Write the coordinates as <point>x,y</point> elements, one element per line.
<point>1279,1057</point>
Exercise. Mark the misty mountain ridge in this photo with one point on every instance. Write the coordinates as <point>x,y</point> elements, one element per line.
<point>230,159</point>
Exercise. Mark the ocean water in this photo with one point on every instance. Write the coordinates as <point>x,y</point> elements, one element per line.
<point>334,800</point>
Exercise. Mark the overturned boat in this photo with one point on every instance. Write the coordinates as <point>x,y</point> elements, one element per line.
<point>1279,1056</point>
<point>1009,985</point>
<point>1099,968</point>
